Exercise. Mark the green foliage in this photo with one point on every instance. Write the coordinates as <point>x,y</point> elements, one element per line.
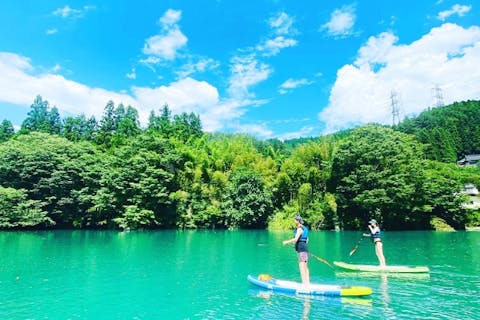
<point>443,183</point>
<point>378,170</point>
<point>449,132</point>
<point>135,218</point>
<point>473,218</point>
<point>41,118</point>
<point>247,203</point>
<point>112,174</point>
<point>17,211</point>
<point>79,128</point>
<point>283,219</point>
<point>139,177</point>
<point>62,175</point>
<point>6,130</point>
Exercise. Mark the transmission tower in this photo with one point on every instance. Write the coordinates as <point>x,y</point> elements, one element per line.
<point>395,108</point>
<point>437,96</point>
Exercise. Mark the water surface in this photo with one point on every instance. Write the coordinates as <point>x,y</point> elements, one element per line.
<point>202,275</point>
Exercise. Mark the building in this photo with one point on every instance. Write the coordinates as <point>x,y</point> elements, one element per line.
<point>474,200</point>
<point>469,160</point>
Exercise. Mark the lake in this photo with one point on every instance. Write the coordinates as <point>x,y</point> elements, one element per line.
<point>202,275</point>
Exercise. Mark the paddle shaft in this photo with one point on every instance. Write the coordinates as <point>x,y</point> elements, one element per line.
<point>356,247</point>
<point>316,257</point>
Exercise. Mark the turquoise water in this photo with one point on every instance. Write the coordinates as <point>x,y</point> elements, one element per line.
<point>202,275</point>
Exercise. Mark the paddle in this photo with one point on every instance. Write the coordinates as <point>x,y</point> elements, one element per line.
<point>356,247</point>
<point>316,257</point>
<point>321,260</point>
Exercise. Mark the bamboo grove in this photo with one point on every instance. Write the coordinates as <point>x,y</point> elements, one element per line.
<point>78,172</point>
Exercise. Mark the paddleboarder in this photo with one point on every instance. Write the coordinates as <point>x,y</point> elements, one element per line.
<point>376,237</point>
<point>300,238</point>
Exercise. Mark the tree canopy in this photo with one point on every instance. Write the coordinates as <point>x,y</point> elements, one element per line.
<point>78,172</point>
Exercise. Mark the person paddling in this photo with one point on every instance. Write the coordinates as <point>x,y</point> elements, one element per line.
<point>300,238</point>
<point>376,236</point>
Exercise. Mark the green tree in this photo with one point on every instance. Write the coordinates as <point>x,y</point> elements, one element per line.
<point>247,203</point>
<point>61,175</point>
<point>107,126</point>
<point>41,118</point>
<point>16,210</point>
<point>379,172</point>
<point>79,128</point>
<point>6,130</point>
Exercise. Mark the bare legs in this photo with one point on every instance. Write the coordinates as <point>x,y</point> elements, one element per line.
<point>304,273</point>
<point>379,252</point>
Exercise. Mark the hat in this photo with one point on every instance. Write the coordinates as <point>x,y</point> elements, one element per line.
<point>373,221</point>
<point>299,219</point>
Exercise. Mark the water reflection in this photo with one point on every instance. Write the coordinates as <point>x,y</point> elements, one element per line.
<point>404,276</point>
<point>307,306</point>
<point>307,302</point>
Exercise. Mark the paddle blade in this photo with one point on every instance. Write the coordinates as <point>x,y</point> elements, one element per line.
<point>354,249</point>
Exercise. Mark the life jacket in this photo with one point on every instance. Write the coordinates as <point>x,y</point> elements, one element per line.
<point>304,236</point>
<point>376,235</point>
<point>301,244</point>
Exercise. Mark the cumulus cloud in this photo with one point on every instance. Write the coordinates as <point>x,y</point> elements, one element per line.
<point>166,44</point>
<point>458,9</point>
<point>70,97</point>
<point>444,56</point>
<point>341,22</point>
<point>291,84</point>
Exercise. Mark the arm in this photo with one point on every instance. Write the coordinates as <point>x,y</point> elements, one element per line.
<point>372,229</point>
<point>298,234</point>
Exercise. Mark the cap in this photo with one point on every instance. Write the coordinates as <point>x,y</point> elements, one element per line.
<point>372,221</point>
<point>299,219</point>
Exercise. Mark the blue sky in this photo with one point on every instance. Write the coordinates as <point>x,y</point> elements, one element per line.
<point>270,68</point>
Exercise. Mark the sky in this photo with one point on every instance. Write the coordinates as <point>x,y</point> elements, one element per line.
<point>269,68</point>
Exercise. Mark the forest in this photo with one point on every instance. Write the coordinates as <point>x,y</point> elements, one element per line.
<point>111,173</point>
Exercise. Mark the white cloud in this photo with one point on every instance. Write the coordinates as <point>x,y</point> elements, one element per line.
<point>461,10</point>
<point>51,31</point>
<point>444,56</point>
<point>246,71</point>
<point>170,18</point>
<point>282,24</point>
<point>70,97</point>
<point>303,132</point>
<point>293,84</point>
<point>56,68</point>
<point>272,47</point>
<point>67,12</point>
<point>341,22</point>
<point>166,44</point>
<point>253,129</point>
<point>132,74</point>
<point>201,65</point>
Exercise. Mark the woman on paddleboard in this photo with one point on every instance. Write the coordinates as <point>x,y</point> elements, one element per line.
<point>300,238</point>
<point>376,236</point>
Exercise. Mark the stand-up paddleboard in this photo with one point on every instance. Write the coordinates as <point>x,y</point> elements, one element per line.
<point>292,287</point>
<point>373,268</point>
